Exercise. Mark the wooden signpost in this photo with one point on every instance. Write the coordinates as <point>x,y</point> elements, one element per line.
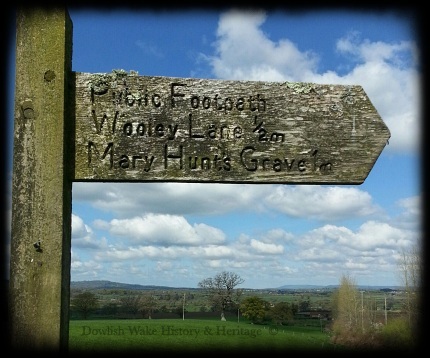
<point>39,281</point>
<point>123,127</point>
<point>140,128</point>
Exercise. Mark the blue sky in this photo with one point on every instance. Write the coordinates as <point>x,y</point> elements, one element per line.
<point>177,234</point>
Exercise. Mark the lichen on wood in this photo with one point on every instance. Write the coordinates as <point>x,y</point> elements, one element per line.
<point>143,128</point>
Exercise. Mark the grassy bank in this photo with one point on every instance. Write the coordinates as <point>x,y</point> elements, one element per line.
<point>173,335</point>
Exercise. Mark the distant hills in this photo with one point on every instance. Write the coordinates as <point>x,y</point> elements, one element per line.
<point>105,284</point>
<point>332,287</point>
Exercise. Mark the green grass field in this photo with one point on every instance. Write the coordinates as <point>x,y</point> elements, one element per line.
<point>173,335</point>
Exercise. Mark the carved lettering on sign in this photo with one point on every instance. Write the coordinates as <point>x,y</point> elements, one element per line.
<point>137,128</point>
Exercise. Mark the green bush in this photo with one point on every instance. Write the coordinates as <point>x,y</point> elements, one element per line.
<point>397,333</point>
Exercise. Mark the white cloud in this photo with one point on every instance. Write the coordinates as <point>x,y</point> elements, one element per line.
<point>277,235</point>
<point>373,234</point>
<point>329,249</point>
<point>125,199</point>
<point>154,253</point>
<point>319,254</point>
<point>141,252</point>
<point>370,236</point>
<point>321,202</point>
<point>79,229</point>
<point>165,229</point>
<point>243,51</point>
<point>215,252</point>
<point>83,236</point>
<point>263,248</point>
<point>316,202</point>
<point>87,270</point>
<point>411,215</point>
<point>411,205</point>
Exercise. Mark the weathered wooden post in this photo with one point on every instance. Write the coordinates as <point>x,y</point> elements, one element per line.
<point>42,181</point>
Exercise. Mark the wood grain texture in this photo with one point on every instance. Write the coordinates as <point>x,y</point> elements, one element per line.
<point>142,129</point>
<point>39,288</point>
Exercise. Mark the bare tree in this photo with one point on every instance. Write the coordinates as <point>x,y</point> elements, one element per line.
<point>221,289</point>
<point>411,268</point>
